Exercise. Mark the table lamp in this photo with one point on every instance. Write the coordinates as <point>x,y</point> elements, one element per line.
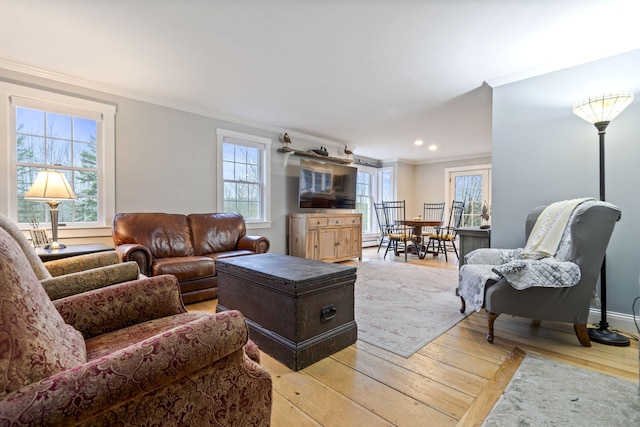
<point>51,186</point>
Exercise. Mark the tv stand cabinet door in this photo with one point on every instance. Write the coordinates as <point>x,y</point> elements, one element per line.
<point>344,243</point>
<point>327,244</point>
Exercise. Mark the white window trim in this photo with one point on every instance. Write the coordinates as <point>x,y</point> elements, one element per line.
<point>8,156</point>
<point>374,233</point>
<point>394,180</point>
<point>265,145</point>
<point>470,170</point>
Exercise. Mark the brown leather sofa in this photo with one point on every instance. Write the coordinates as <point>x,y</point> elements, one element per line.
<point>185,246</point>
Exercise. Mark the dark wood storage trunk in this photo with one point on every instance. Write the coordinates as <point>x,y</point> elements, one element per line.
<point>298,310</point>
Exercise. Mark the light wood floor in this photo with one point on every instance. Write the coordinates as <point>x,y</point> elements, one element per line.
<point>453,380</point>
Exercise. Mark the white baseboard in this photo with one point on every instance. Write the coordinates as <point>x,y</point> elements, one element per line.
<point>619,321</point>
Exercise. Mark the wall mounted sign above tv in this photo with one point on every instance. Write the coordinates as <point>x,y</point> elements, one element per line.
<point>326,185</point>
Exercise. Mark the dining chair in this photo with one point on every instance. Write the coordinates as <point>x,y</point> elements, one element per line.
<point>432,212</point>
<point>399,233</point>
<point>382,223</point>
<point>448,233</point>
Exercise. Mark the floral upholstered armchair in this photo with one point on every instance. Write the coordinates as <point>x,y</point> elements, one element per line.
<point>127,354</point>
<point>74,275</point>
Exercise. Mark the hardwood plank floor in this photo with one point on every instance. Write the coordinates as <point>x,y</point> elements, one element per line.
<point>454,380</point>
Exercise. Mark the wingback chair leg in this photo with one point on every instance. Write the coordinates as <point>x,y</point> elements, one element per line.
<point>463,307</point>
<point>582,334</point>
<point>491,317</point>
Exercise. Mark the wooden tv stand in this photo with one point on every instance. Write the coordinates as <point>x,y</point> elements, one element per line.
<point>330,237</point>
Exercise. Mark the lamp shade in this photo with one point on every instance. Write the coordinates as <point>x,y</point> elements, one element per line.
<point>603,108</point>
<point>50,185</point>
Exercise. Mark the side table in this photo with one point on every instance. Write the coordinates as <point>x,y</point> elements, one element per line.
<point>72,250</point>
<point>472,238</point>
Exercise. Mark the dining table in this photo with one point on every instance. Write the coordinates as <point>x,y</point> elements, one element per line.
<point>416,234</point>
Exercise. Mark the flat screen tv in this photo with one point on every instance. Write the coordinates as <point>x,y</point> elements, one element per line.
<point>326,185</point>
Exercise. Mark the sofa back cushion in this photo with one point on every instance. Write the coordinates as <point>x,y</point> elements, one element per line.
<point>35,343</point>
<point>216,232</point>
<point>166,235</point>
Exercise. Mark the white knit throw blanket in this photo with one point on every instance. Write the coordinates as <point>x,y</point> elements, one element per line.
<point>548,229</point>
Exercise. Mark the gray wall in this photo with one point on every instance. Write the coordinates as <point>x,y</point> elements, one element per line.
<point>166,158</point>
<point>543,153</point>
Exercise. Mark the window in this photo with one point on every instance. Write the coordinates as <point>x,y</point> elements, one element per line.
<point>243,176</point>
<point>471,184</point>
<point>71,135</point>
<point>364,199</point>
<point>385,177</point>
<point>373,184</point>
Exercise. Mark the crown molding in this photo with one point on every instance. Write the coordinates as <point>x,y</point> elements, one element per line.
<point>455,158</point>
<point>30,70</point>
<point>440,160</point>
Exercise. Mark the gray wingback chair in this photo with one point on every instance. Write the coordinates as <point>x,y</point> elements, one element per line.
<point>590,230</point>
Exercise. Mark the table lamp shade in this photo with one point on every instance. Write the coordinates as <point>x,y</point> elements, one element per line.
<point>603,108</point>
<point>50,185</point>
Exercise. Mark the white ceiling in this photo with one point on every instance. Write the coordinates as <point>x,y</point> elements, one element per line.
<point>374,74</point>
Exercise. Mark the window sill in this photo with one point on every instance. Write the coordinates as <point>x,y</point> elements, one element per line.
<point>257,225</point>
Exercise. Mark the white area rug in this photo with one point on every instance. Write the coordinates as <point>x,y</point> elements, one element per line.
<point>544,392</point>
<point>401,307</point>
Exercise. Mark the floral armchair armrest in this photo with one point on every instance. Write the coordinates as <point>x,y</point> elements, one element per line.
<point>75,264</point>
<point>173,375</point>
<point>119,306</point>
<point>83,281</point>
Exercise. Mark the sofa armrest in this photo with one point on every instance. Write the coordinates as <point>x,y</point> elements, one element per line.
<point>138,253</point>
<point>78,263</point>
<point>115,307</point>
<point>257,244</point>
<point>166,363</point>
<point>84,281</point>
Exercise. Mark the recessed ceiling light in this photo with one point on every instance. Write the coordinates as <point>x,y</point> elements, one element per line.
<point>418,142</point>
<point>433,147</point>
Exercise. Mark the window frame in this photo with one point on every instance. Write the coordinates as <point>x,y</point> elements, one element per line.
<point>485,170</point>
<point>264,146</point>
<point>376,196</point>
<point>392,184</point>
<point>372,225</point>
<point>12,96</point>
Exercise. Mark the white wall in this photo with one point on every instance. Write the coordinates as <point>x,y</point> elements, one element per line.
<point>405,187</point>
<point>543,153</point>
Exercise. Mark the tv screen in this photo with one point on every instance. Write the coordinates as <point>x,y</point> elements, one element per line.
<point>326,185</point>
